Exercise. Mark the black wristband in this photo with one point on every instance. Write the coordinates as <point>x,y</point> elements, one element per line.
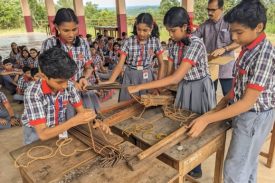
<point>12,117</point>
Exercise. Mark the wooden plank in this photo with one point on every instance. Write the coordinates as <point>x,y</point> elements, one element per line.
<point>167,126</point>
<point>123,115</point>
<point>44,171</point>
<point>163,145</point>
<point>152,172</point>
<point>221,60</point>
<point>117,106</point>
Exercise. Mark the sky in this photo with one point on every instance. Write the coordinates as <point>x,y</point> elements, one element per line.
<point>111,3</point>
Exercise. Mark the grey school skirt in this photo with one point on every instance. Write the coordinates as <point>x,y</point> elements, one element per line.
<point>134,77</point>
<point>198,96</point>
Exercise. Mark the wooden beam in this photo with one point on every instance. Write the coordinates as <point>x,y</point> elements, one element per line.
<point>123,115</point>
<point>157,149</point>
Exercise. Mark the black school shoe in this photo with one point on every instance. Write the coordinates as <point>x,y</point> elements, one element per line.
<point>196,173</point>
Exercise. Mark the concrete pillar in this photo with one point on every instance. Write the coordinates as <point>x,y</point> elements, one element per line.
<point>51,15</point>
<point>79,11</point>
<point>27,15</point>
<point>121,16</point>
<point>189,6</point>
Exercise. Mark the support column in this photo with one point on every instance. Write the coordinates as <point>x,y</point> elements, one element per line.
<point>51,15</point>
<point>121,16</point>
<point>27,15</point>
<point>79,11</point>
<point>189,6</point>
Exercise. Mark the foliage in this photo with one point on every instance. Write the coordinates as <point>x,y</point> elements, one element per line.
<point>10,14</point>
<point>165,5</point>
<point>38,11</point>
<point>64,4</point>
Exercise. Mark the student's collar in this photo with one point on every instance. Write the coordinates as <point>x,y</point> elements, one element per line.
<point>45,87</point>
<point>138,40</point>
<point>257,41</point>
<point>27,79</point>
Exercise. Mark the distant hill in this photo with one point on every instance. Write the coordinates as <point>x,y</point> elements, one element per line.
<point>134,10</point>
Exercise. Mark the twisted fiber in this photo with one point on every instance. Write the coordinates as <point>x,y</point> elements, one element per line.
<point>59,143</point>
<point>180,115</point>
<point>109,158</point>
<point>144,129</point>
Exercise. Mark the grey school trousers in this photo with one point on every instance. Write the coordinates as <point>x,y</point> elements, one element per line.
<point>250,130</point>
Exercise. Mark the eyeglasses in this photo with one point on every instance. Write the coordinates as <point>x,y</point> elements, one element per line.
<point>211,10</point>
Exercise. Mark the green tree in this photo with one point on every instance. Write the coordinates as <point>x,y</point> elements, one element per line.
<point>38,11</point>
<point>91,10</point>
<point>64,4</point>
<point>201,5</point>
<point>165,5</point>
<point>10,14</point>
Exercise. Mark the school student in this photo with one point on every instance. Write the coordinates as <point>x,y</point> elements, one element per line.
<point>189,57</point>
<point>46,100</point>
<point>10,76</point>
<point>24,59</point>
<point>252,93</point>
<point>7,118</point>
<point>66,24</point>
<point>33,60</point>
<point>138,52</point>
<point>114,56</point>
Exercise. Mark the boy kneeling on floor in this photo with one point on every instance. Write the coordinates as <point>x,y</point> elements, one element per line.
<point>46,100</point>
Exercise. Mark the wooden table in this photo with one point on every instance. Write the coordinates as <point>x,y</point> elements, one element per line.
<point>194,152</point>
<point>56,169</point>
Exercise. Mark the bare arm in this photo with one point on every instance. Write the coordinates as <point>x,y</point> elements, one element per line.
<point>161,66</point>
<point>9,108</point>
<point>170,68</point>
<point>170,80</point>
<point>118,68</point>
<point>221,51</point>
<point>249,99</point>
<point>83,116</point>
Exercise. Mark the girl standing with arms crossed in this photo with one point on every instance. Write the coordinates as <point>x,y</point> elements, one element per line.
<point>138,52</point>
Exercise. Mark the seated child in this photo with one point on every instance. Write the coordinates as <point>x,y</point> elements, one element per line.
<point>10,76</point>
<point>23,82</point>
<point>46,100</point>
<point>7,118</point>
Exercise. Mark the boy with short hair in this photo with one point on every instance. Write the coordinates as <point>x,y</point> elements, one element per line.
<point>252,93</point>
<point>46,100</point>
<point>23,82</point>
<point>7,118</point>
<point>10,76</point>
<point>35,74</point>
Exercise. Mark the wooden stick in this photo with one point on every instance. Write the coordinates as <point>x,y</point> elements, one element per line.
<point>157,149</point>
<point>118,106</point>
<point>124,114</point>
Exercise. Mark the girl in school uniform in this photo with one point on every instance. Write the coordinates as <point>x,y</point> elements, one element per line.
<point>67,38</point>
<point>24,60</point>
<point>15,52</point>
<point>189,57</point>
<point>114,56</point>
<point>138,52</point>
<point>33,58</point>
<point>252,94</point>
